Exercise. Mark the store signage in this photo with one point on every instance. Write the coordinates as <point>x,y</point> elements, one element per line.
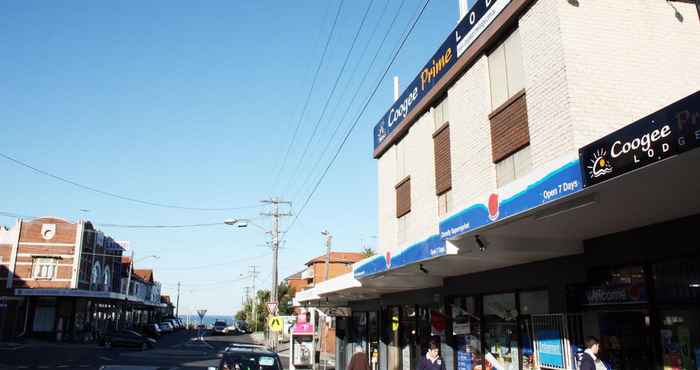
<point>481,15</point>
<point>67,293</point>
<point>604,295</point>
<point>660,135</point>
<point>542,186</point>
<point>549,348</point>
<point>424,250</point>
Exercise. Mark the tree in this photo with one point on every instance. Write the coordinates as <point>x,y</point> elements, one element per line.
<point>368,252</point>
<point>262,296</point>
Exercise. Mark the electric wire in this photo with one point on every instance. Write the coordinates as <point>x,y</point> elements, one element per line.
<point>226,263</point>
<point>308,96</point>
<point>354,97</point>
<point>118,196</point>
<point>328,100</point>
<point>357,120</point>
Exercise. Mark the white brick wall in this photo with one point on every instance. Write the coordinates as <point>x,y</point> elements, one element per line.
<point>626,59</point>
<point>589,70</point>
<point>545,83</point>
<point>473,171</point>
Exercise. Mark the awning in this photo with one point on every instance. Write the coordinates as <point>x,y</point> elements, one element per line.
<point>34,292</point>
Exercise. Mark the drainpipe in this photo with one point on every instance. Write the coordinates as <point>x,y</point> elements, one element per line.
<point>26,317</point>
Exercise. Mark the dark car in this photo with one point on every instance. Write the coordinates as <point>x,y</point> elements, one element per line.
<point>127,338</point>
<point>249,358</point>
<point>152,330</point>
<point>219,327</point>
<point>242,326</point>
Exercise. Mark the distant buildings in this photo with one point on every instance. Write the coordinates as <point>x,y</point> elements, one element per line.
<point>67,281</point>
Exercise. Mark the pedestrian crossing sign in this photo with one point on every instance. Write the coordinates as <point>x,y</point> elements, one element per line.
<point>275,323</point>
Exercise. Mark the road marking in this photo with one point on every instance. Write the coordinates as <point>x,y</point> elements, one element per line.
<point>105,358</point>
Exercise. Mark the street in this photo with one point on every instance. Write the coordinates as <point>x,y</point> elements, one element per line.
<point>179,350</point>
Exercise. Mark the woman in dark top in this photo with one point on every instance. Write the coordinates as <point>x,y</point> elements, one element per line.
<point>432,359</point>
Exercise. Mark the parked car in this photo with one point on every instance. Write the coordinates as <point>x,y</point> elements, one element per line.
<point>249,357</point>
<point>127,338</point>
<point>166,327</point>
<point>152,330</point>
<point>219,327</point>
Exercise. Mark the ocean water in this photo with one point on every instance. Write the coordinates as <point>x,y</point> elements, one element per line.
<point>208,319</point>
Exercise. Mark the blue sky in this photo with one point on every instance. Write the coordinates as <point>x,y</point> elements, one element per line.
<point>195,104</point>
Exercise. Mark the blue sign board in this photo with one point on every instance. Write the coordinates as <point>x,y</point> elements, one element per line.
<point>482,13</point>
<point>667,132</point>
<point>559,183</point>
<point>427,249</point>
<point>549,347</point>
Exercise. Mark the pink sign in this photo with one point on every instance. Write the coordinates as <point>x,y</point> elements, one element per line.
<point>303,328</point>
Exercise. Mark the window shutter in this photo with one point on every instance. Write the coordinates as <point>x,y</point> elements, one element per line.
<point>403,197</point>
<point>443,161</point>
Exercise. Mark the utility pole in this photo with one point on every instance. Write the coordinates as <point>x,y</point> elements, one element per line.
<point>128,286</point>
<point>275,214</point>
<point>253,273</point>
<point>329,237</point>
<point>177,308</point>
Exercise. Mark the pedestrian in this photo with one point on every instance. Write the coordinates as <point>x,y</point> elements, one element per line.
<point>589,358</point>
<point>432,359</point>
<point>359,360</point>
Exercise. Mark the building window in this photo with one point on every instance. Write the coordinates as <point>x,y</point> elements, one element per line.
<point>403,197</point>
<point>506,70</point>
<point>44,267</point>
<point>514,166</point>
<point>96,271</point>
<point>107,279</point>
<point>443,165</point>
<point>444,203</point>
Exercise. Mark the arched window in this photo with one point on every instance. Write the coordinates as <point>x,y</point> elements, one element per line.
<point>107,279</point>
<point>96,272</point>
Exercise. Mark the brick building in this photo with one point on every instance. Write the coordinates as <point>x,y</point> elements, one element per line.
<point>59,280</point>
<point>535,185</point>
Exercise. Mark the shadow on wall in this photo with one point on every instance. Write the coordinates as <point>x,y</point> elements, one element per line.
<point>12,309</point>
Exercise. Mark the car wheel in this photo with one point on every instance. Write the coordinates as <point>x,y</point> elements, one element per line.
<point>108,344</point>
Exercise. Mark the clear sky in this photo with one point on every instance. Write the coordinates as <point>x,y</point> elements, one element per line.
<point>194,104</point>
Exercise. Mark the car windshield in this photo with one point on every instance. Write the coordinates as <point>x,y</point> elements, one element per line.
<point>251,361</point>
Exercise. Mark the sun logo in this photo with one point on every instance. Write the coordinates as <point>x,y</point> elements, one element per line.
<point>599,166</point>
<point>382,133</point>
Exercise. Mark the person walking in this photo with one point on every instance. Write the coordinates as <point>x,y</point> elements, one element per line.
<point>432,359</point>
<point>589,358</point>
<point>359,360</point>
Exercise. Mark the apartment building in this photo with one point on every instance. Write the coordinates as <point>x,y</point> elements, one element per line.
<point>536,186</point>
<point>61,280</point>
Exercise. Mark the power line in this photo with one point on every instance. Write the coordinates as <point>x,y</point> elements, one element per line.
<point>308,96</point>
<point>134,226</point>
<point>330,96</point>
<point>357,92</point>
<point>227,263</point>
<point>114,195</point>
<point>357,119</point>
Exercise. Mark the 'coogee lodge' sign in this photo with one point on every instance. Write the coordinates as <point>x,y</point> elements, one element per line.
<point>665,133</point>
<point>469,28</point>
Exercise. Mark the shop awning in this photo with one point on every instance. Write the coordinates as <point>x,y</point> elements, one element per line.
<point>34,292</point>
<point>305,296</point>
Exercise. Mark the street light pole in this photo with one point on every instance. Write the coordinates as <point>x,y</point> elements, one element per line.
<point>329,237</point>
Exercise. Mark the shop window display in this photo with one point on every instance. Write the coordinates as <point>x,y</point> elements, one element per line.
<point>466,329</point>
<point>678,294</point>
<point>501,332</point>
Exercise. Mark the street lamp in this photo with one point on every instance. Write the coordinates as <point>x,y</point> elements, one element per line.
<point>329,237</point>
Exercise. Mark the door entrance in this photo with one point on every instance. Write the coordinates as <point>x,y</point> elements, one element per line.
<point>625,340</point>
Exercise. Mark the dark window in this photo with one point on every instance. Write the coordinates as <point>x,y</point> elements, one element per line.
<point>443,165</point>
<point>403,197</point>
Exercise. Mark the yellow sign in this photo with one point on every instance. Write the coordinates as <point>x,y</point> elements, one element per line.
<point>395,323</point>
<point>275,323</point>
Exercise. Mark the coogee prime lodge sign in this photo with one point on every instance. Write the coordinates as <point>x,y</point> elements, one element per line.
<point>469,28</point>
<point>660,135</point>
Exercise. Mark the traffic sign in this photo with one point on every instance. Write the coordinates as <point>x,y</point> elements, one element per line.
<point>275,323</point>
<point>272,308</point>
